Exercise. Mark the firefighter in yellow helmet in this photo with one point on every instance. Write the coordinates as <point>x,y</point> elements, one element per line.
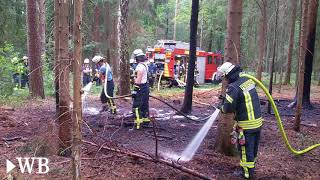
<point>243,100</point>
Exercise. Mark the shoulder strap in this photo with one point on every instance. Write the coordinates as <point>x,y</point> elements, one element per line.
<point>147,69</point>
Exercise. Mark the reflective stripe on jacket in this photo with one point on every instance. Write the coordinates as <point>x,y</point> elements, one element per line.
<point>243,100</point>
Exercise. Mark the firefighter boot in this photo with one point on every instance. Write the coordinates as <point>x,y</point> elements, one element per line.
<point>138,119</point>
<point>113,108</point>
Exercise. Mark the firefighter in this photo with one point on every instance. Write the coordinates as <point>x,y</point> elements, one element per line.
<point>140,93</point>
<point>152,72</point>
<point>243,100</point>
<point>86,72</point>
<point>25,72</point>
<point>105,74</point>
<point>16,71</point>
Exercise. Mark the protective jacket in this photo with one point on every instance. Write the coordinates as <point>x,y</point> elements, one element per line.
<point>242,99</point>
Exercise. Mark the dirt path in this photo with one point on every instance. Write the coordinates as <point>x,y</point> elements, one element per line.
<point>32,125</point>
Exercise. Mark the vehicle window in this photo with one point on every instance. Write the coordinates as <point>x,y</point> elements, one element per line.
<point>209,60</point>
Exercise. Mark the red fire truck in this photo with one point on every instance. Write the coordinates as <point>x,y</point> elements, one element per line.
<point>172,58</point>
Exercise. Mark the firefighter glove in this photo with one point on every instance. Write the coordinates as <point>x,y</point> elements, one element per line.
<point>242,140</point>
<point>234,137</point>
<point>135,90</point>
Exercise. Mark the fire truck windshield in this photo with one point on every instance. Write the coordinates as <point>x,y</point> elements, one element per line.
<point>169,45</point>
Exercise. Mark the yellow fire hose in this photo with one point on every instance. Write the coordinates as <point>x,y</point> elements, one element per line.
<point>279,122</point>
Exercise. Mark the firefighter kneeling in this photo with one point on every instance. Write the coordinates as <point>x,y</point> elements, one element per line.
<point>140,93</point>
<point>243,100</point>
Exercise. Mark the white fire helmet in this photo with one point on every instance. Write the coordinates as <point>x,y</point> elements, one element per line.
<point>86,61</point>
<point>138,52</point>
<point>25,58</point>
<point>222,71</point>
<point>97,59</point>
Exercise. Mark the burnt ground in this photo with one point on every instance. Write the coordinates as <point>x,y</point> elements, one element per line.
<point>30,131</point>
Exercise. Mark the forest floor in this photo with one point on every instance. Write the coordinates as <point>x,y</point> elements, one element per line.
<point>30,131</point>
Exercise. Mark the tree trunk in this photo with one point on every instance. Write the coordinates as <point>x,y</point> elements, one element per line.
<point>187,103</point>
<point>299,42</point>
<point>280,79</point>
<point>271,67</point>
<point>302,51</point>
<point>42,24</point>
<point>232,54</point>
<point>262,38</point>
<point>77,106</point>
<point>201,32</point>
<point>291,42</point>
<point>56,54</point>
<point>309,53</point>
<point>108,28</point>
<point>36,78</point>
<point>124,82</point>
<point>167,20</point>
<point>114,44</point>
<point>96,29</point>
<point>210,40</point>
<point>64,96</point>
<point>175,20</point>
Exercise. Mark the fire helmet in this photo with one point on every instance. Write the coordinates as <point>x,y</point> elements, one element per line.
<point>97,59</point>
<point>137,52</point>
<point>86,61</point>
<point>223,71</point>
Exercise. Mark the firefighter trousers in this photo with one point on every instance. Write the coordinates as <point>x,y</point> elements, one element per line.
<point>140,106</point>
<point>249,151</point>
<point>108,101</point>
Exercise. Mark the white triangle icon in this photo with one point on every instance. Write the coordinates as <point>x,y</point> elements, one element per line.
<point>10,166</point>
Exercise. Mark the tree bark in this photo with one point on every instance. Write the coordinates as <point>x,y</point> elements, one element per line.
<point>175,20</point>
<point>42,24</point>
<point>56,54</point>
<point>210,40</point>
<point>300,25</point>
<point>262,38</point>
<point>108,29</point>
<point>77,106</point>
<point>167,20</point>
<point>291,42</point>
<point>303,40</point>
<point>96,29</point>
<point>271,66</point>
<point>187,102</point>
<point>232,54</point>
<point>124,81</point>
<point>35,77</point>
<point>64,96</point>
<point>114,44</point>
<point>309,53</point>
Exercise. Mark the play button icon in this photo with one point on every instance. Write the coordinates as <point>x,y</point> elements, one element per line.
<point>10,166</point>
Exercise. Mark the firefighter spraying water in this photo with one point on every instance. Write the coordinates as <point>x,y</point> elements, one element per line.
<point>241,98</point>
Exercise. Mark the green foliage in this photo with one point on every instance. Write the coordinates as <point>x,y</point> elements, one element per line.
<point>13,24</point>
<point>7,68</point>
